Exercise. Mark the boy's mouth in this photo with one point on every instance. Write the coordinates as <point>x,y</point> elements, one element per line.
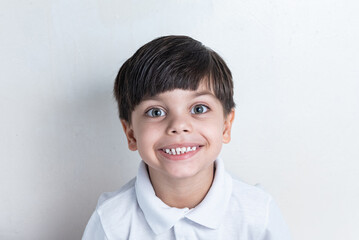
<point>180,150</point>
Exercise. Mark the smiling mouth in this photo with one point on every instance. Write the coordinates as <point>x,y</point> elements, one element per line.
<point>180,150</point>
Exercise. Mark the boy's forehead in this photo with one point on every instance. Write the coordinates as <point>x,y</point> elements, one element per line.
<point>202,89</point>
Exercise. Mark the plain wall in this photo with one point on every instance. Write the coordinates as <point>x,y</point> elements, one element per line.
<point>296,74</point>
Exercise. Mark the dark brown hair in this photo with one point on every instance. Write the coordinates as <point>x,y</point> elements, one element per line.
<point>168,63</point>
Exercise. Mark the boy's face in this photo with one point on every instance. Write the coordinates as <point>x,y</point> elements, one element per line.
<point>179,133</point>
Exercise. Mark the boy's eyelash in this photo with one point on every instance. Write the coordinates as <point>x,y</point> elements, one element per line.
<point>203,104</point>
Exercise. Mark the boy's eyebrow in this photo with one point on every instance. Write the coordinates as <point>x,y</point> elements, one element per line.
<point>205,92</point>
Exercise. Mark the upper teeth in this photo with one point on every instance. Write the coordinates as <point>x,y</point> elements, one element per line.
<point>178,151</point>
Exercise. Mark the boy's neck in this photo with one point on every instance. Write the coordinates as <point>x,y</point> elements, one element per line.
<point>182,193</point>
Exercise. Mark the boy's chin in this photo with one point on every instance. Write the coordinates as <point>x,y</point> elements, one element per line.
<point>177,173</point>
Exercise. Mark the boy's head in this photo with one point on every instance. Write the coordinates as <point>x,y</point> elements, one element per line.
<point>168,63</point>
<point>176,106</point>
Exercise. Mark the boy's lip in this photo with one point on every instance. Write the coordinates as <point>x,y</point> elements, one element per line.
<point>183,156</point>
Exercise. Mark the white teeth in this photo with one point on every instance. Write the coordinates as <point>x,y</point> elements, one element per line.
<point>178,151</point>
<point>183,150</point>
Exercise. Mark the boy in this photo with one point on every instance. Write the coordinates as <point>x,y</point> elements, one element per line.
<point>175,99</point>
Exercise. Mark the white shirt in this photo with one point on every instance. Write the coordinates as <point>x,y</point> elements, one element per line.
<point>231,210</point>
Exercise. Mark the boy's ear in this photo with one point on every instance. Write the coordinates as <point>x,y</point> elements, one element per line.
<point>131,140</point>
<point>228,126</point>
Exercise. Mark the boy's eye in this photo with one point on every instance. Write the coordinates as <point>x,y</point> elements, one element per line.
<point>198,109</point>
<point>155,112</point>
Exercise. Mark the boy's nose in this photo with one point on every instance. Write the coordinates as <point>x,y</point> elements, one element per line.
<point>179,125</point>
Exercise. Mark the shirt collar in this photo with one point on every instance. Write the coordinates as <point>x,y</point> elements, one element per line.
<point>162,217</point>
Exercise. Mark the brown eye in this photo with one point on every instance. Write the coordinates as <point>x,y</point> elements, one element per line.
<point>199,109</point>
<point>155,112</point>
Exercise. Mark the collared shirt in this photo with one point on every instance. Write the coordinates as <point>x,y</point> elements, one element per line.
<point>231,209</point>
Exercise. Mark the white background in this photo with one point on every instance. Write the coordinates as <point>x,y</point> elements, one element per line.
<point>296,71</point>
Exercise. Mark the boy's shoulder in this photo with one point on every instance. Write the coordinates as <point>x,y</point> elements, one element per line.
<point>245,190</point>
<point>248,198</point>
<point>249,204</point>
<point>116,209</point>
<point>126,195</point>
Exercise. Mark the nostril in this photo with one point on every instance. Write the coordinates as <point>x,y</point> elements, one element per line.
<point>178,128</point>
<point>176,131</point>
